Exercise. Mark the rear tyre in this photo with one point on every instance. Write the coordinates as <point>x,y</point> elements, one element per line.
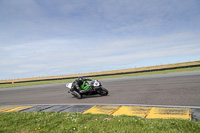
<point>103,92</point>
<point>77,95</point>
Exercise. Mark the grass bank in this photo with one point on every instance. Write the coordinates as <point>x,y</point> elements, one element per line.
<point>85,123</point>
<point>100,77</point>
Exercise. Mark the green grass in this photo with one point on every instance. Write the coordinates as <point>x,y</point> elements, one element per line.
<point>151,73</point>
<point>100,77</point>
<point>35,83</point>
<point>43,122</point>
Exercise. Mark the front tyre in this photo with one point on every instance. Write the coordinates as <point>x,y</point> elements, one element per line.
<point>103,92</point>
<point>77,95</point>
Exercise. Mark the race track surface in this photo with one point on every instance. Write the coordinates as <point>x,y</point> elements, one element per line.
<point>176,89</point>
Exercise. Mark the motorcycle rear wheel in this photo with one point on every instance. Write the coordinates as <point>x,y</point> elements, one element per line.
<point>103,92</point>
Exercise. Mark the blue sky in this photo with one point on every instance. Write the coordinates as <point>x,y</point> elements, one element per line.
<point>60,37</point>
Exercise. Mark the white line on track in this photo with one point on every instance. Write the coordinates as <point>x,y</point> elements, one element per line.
<point>166,106</point>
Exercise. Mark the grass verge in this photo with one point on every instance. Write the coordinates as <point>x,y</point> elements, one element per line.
<point>100,77</point>
<point>85,123</point>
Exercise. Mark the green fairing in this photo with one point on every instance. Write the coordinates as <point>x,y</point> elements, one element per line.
<point>83,87</point>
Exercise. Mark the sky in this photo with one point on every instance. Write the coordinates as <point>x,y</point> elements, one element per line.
<point>40,38</point>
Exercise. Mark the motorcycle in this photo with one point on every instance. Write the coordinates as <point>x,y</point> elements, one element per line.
<point>95,87</point>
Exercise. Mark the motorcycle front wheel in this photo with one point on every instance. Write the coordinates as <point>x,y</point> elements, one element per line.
<point>77,95</point>
<point>103,92</point>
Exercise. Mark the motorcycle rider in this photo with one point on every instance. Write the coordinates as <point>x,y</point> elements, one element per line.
<point>78,85</point>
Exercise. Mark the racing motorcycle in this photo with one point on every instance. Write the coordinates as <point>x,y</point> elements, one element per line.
<point>95,87</point>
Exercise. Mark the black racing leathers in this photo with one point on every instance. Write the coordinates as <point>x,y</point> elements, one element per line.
<point>76,85</point>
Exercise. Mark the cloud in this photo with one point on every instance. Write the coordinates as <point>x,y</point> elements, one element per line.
<point>155,16</point>
<point>62,54</point>
<point>66,37</point>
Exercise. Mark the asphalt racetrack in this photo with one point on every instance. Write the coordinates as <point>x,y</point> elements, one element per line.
<point>175,89</point>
